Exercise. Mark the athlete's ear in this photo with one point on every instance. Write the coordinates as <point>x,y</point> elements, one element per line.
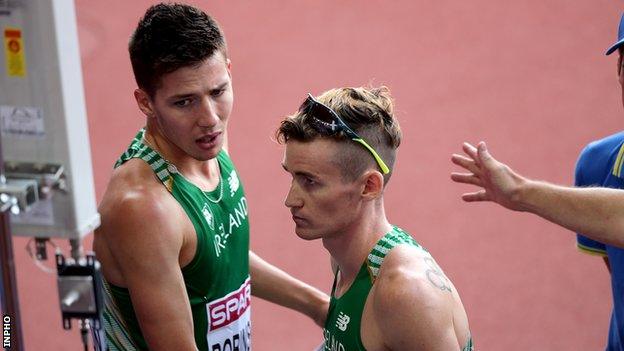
<point>144,102</point>
<point>373,185</point>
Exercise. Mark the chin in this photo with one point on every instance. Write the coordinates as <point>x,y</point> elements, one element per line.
<point>306,234</point>
<point>202,154</point>
<point>205,155</point>
<point>206,158</point>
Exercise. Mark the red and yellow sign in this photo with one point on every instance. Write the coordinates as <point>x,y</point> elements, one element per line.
<point>14,52</point>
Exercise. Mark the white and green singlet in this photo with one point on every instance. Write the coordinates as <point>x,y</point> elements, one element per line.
<point>344,318</point>
<point>217,278</point>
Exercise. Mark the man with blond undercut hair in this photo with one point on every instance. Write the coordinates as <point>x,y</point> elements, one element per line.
<point>388,292</point>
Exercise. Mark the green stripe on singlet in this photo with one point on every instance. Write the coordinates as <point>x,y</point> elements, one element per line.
<point>116,330</point>
<point>385,244</point>
<point>139,149</point>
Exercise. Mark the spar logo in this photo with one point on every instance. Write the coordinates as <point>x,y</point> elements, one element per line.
<point>229,308</point>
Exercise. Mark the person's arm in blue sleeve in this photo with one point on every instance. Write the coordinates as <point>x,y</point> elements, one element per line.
<point>596,212</point>
<point>583,243</point>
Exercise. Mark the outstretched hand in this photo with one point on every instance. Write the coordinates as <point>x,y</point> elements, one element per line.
<point>499,183</point>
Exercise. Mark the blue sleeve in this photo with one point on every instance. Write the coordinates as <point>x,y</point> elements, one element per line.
<point>583,243</point>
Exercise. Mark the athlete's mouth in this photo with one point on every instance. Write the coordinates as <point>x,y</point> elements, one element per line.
<point>299,221</point>
<point>297,218</point>
<point>208,138</point>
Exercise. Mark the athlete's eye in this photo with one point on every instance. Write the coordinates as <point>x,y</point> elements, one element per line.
<point>217,93</point>
<point>183,102</point>
<point>307,181</point>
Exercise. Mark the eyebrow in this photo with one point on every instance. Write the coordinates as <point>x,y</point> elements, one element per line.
<point>301,173</point>
<point>220,86</point>
<point>187,95</point>
<point>180,97</point>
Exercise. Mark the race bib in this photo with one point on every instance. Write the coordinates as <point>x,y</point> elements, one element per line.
<point>229,327</point>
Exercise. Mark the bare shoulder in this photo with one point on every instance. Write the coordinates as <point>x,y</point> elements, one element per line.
<point>135,196</point>
<point>410,277</point>
<point>139,219</point>
<point>414,301</point>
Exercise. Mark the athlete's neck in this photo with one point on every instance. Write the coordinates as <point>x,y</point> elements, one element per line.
<point>350,248</point>
<point>204,174</point>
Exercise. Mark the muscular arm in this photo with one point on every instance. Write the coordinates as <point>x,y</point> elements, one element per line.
<point>145,243</point>
<point>272,284</point>
<point>598,213</point>
<point>413,305</point>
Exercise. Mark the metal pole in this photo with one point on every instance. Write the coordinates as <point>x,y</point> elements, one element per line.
<point>9,301</point>
<point>77,251</point>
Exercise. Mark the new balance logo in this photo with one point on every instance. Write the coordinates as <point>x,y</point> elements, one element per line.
<point>342,321</point>
<point>234,183</point>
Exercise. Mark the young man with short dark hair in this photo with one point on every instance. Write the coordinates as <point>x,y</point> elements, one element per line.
<point>174,239</point>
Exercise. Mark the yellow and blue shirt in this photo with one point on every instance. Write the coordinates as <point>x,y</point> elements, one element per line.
<point>601,163</point>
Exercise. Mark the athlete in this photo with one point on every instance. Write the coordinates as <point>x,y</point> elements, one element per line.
<point>595,210</point>
<point>174,239</point>
<point>388,292</point>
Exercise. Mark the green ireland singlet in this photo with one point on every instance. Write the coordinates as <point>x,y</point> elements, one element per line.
<point>217,279</point>
<point>344,318</point>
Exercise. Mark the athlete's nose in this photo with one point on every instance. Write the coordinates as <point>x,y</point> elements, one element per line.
<point>292,198</point>
<point>208,116</point>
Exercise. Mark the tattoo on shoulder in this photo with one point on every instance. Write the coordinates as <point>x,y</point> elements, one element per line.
<point>435,275</point>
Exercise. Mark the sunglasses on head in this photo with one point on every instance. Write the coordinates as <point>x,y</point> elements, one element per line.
<point>328,122</point>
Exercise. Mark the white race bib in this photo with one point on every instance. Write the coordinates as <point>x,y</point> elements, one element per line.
<point>229,321</point>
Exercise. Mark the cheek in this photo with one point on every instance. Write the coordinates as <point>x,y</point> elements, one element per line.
<point>174,124</point>
<point>225,106</point>
<point>174,127</point>
<point>337,207</point>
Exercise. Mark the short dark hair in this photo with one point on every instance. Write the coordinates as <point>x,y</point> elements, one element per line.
<point>171,36</point>
<point>369,112</point>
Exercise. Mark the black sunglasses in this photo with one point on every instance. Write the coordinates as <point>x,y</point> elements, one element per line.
<point>328,122</point>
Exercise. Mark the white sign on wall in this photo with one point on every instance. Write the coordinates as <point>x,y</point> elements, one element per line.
<point>22,121</point>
